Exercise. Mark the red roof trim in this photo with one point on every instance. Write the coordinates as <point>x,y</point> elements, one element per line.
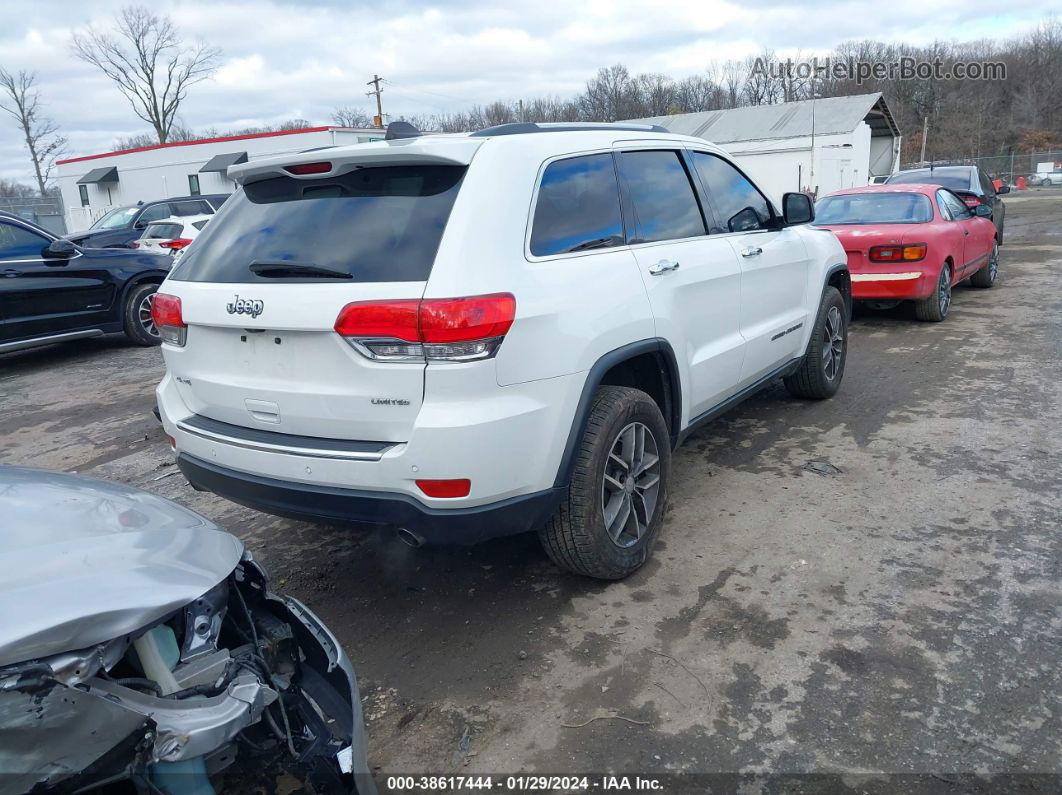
<point>222,139</point>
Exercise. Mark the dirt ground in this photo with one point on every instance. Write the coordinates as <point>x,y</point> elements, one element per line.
<point>868,584</point>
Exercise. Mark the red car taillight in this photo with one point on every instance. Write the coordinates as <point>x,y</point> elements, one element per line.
<point>175,245</point>
<point>166,313</point>
<point>911,252</point>
<point>971,201</point>
<point>436,329</point>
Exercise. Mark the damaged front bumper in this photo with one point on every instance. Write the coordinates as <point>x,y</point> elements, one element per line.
<point>249,700</point>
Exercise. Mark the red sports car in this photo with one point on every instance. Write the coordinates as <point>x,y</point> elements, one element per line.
<point>911,243</point>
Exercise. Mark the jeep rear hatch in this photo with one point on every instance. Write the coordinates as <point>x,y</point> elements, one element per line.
<point>264,285</point>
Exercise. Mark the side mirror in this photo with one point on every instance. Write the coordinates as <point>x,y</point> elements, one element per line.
<point>983,210</point>
<point>1003,189</point>
<point>61,248</point>
<point>797,209</point>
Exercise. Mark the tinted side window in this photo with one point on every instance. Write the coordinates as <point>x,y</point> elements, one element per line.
<point>578,207</point>
<point>738,204</point>
<point>17,242</point>
<point>192,208</point>
<point>662,198</point>
<point>986,185</point>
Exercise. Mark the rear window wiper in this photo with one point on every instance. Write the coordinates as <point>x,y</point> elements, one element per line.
<point>280,268</point>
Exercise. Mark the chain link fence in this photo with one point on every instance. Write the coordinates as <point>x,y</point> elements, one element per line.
<point>46,211</point>
<point>1036,167</point>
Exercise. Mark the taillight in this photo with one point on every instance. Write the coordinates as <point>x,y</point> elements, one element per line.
<point>166,313</point>
<point>445,488</point>
<point>911,252</point>
<point>175,245</point>
<point>309,168</point>
<point>134,244</point>
<point>436,329</point>
<point>971,201</point>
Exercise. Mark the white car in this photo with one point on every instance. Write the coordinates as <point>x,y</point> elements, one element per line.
<point>171,235</point>
<point>1047,178</point>
<point>476,335</point>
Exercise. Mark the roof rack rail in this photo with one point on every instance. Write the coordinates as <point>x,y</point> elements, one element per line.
<point>519,128</point>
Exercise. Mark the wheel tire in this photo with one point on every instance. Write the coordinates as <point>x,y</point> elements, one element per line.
<point>822,368</point>
<point>138,328</point>
<point>577,537</point>
<point>986,277</point>
<point>935,308</point>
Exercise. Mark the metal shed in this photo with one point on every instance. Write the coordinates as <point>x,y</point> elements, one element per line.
<point>821,145</point>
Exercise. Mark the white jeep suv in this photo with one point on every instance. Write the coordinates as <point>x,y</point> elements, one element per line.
<point>469,336</point>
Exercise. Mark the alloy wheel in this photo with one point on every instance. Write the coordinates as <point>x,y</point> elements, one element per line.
<point>631,485</point>
<point>944,290</point>
<point>993,262</point>
<point>143,315</point>
<point>832,343</point>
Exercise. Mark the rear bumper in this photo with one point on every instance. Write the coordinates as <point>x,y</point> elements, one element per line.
<point>903,285</point>
<point>467,525</point>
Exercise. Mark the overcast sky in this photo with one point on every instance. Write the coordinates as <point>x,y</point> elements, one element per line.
<point>288,59</point>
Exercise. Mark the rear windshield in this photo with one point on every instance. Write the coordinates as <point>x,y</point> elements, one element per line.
<point>874,208</point>
<point>378,224</point>
<point>163,231</point>
<point>951,180</point>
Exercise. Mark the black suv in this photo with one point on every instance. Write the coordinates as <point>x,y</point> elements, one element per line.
<point>972,184</point>
<point>122,225</point>
<point>52,290</point>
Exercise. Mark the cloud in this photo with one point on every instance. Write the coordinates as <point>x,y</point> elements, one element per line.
<point>300,58</point>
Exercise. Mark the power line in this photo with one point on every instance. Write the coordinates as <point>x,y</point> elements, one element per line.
<point>407,89</point>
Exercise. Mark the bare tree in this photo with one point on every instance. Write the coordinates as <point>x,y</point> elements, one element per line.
<point>610,95</point>
<point>9,189</point>
<point>41,135</point>
<point>347,116</point>
<point>656,94</point>
<point>138,141</point>
<point>149,62</point>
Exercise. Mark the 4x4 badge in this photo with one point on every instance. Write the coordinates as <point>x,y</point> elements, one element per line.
<point>245,306</point>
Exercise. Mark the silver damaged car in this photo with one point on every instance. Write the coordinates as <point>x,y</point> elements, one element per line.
<point>141,648</point>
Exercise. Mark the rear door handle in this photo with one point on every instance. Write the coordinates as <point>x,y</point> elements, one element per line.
<point>663,266</point>
<point>10,273</point>
<point>751,252</point>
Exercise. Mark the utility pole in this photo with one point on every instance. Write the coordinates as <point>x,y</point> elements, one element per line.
<point>375,82</point>
<point>925,134</point>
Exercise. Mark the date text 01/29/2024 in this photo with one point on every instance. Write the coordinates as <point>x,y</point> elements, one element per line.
<point>521,783</point>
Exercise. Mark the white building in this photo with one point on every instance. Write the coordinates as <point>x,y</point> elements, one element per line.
<point>821,145</point>
<point>93,184</point>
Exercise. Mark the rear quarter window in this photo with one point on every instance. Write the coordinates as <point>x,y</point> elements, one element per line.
<point>379,224</point>
<point>578,207</point>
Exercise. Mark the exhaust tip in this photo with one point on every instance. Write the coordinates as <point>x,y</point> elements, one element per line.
<point>409,538</point>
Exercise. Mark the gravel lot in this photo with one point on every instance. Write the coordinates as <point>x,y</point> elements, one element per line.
<point>896,611</point>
